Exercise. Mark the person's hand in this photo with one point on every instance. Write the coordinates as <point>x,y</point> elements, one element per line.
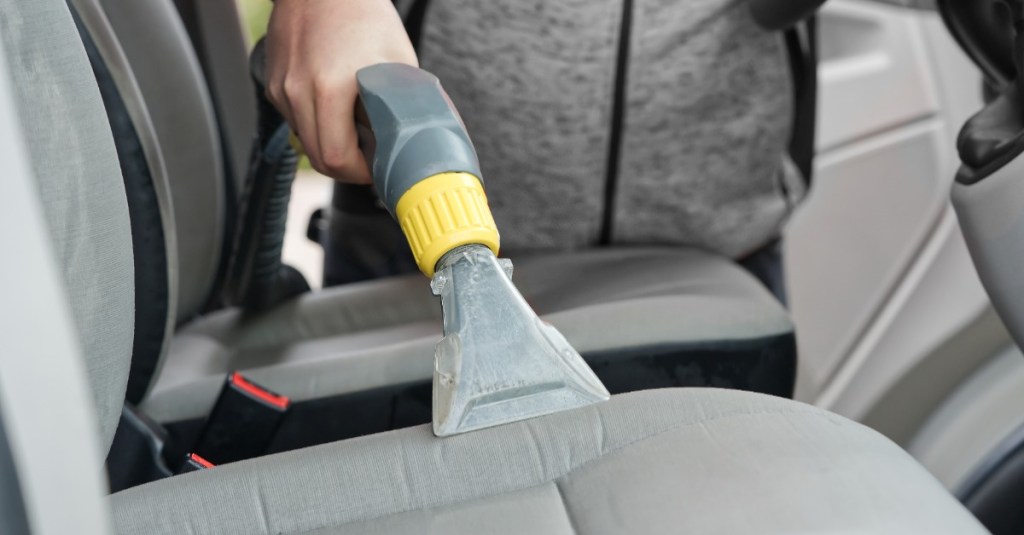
<point>314,48</point>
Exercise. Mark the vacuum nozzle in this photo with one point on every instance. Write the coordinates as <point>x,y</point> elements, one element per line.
<point>498,362</point>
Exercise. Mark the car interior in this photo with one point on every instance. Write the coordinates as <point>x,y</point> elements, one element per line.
<point>166,369</point>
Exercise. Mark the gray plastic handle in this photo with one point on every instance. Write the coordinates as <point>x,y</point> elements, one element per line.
<point>416,129</point>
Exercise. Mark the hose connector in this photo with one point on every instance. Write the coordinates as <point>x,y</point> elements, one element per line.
<point>442,212</point>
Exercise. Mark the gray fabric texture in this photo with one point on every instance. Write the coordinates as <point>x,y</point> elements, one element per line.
<point>158,50</point>
<point>80,185</point>
<point>709,110</point>
<point>668,461</point>
<point>533,82</point>
<point>224,52</point>
<point>707,118</point>
<point>379,333</point>
<point>101,35</point>
<point>915,4</point>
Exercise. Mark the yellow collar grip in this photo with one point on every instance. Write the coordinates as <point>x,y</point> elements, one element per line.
<point>442,212</point>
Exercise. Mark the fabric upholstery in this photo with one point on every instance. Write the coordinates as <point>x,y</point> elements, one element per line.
<point>183,118</point>
<point>706,121</point>
<point>668,461</point>
<point>154,269</point>
<point>381,333</point>
<point>80,185</point>
<point>915,4</point>
<point>221,44</point>
<point>654,462</point>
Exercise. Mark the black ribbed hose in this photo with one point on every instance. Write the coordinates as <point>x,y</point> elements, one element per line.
<point>257,278</point>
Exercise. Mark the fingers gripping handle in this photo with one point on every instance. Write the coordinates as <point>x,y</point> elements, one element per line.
<point>424,165</point>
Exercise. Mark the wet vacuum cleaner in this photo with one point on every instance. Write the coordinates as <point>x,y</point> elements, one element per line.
<point>498,362</point>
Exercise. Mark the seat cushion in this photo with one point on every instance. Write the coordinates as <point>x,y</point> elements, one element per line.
<point>643,318</point>
<point>665,461</point>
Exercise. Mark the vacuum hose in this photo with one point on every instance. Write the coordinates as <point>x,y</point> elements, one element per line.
<point>257,279</point>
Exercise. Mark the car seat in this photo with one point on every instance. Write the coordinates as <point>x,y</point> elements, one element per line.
<point>695,460</point>
<point>643,317</point>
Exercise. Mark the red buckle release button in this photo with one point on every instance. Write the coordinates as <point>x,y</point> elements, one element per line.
<point>203,463</point>
<point>258,392</point>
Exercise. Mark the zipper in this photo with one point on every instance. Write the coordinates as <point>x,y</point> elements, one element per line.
<point>618,114</point>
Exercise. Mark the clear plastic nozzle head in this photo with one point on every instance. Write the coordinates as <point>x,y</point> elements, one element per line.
<point>498,362</point>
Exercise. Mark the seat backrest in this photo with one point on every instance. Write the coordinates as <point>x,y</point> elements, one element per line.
<point>160,55</point>
<point>167,141</point>
<point>72,154</point>
<point>220,41</point>
<point>66,311</point>
<point>148,191</point>
<point>76,191</point>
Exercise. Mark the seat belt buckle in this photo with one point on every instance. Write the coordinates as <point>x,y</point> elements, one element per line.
<point>243,421</point>
<point>194,463</point>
